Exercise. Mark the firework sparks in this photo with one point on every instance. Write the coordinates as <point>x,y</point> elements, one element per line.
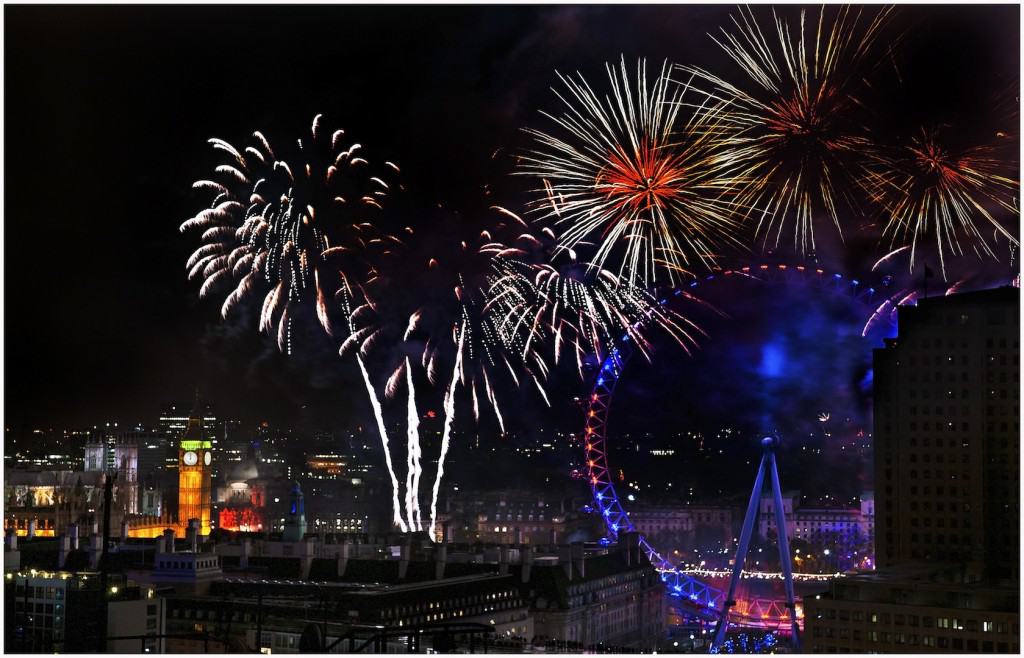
<point>632,174</point>
<point>449,416</point>
<point>566,307</point>
<point>927,189</point>
<point>268,226</point>
<point>796,138</point>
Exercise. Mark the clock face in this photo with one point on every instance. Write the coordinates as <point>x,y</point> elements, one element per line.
<point>191,458</point>
<point>207,458</point>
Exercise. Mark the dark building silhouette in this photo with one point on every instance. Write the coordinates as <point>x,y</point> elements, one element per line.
<point>947,484</point>
<point>947,422</point>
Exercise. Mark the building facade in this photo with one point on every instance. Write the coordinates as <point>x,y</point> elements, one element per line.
<point>947,430</point>
<point>661,520</point>
<point>947,482</point>
<point>841,529</point>
<point>907,610</point>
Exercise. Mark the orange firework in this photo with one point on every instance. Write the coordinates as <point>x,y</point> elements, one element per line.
<point>642,183</point>
<point>632,175</point>
<point>795,134</point>
<point>927,187</point>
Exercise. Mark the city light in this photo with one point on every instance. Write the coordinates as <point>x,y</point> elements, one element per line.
<point>712,355</point>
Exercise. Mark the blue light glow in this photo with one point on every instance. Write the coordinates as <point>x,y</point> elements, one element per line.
<point>773,360</point>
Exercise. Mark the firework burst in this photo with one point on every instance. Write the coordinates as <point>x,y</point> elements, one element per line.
<point>567,306</point>
<point>953,195</point>
<point>281,225</point>
<point>427,301</point>
<point>636,174</point>
<point>796,135</point>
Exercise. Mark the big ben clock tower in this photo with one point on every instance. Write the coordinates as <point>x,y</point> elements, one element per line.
<point>194,459</point>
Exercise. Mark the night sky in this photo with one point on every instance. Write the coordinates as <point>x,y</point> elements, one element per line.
<point>107,114</point>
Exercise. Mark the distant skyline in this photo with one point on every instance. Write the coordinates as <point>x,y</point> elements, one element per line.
<point>108,111</point>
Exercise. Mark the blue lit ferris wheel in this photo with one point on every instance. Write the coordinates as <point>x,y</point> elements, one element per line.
<point>879,299</point>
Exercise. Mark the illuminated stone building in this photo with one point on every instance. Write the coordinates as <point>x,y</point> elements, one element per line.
<point>44,503</point>
<point>514,517</point>
<point>845,529</point>
<point>242,500</point>
<point>684,524</point>
<point>194,487</point>
<point>610,596</point>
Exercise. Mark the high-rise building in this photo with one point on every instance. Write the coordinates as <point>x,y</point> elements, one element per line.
<point>947,428</point>
<point>947,483</point>
<point>174,419</point>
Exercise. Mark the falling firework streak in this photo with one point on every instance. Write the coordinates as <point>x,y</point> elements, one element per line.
<point>449,416</point>
<point>379,416</point>
<point>412,482</point>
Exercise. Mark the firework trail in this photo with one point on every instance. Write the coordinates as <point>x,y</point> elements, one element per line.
<point>884,309</point>
<point>632,174</point>
<point>379,416</point>
<point>425,312</point>
<point>449,416</point>
<point>953,195</point>
<point>886,257</point>
<point>796,137</point>
<point>412,482</point>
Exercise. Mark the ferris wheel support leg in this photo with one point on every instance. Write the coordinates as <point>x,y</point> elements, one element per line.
<point>741,553</point>
<point>784,558</point>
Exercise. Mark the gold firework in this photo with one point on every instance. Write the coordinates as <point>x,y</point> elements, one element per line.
<point>795,141</point>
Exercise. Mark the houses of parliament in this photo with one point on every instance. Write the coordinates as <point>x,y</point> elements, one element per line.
<point>44,503</point>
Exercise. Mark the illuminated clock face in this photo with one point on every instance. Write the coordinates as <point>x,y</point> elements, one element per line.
<point>207,458</point>
<point>191,458</point>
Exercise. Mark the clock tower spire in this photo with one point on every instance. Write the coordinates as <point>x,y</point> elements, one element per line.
<point>194,460</point>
